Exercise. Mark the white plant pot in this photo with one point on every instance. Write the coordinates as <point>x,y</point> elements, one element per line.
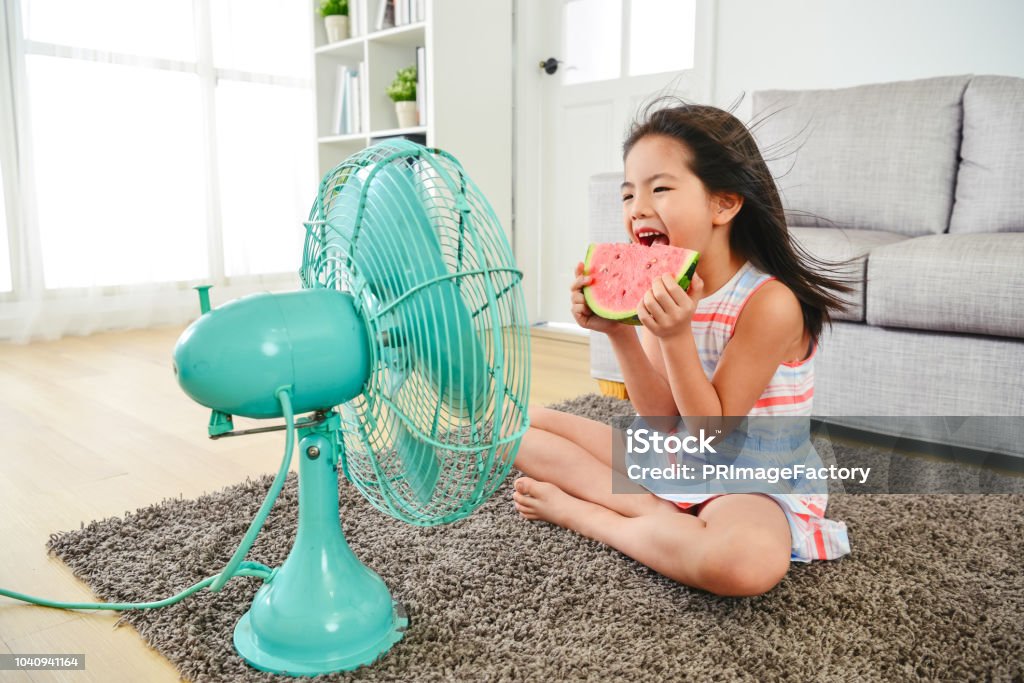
<point>406,114</point>
<point>336,26</point>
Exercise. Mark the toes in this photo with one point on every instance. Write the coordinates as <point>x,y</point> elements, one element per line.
<point>524,485</point>
<point>525,511</point>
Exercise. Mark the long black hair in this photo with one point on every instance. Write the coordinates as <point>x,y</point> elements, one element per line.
<point>725,157</point>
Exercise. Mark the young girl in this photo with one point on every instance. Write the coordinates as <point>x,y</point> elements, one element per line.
<point>739,341</point>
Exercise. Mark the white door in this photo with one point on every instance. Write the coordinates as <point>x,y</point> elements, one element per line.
<point>614,55</point>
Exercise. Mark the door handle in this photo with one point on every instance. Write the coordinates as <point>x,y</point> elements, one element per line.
<point>550,65</point>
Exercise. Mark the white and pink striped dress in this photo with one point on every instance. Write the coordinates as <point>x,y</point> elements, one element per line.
<point>791,389</point>
<point>790,392</point>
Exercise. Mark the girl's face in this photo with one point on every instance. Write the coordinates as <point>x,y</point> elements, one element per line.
<point>663,202</point>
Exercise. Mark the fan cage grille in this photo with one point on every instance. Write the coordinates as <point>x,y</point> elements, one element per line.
<point>404,230</point>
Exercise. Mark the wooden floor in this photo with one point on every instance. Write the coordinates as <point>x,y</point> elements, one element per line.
<point>91,427</point>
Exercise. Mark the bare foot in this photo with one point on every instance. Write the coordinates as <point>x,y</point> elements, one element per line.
<point>542,500</point>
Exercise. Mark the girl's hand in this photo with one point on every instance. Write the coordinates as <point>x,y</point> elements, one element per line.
<point>585,317</point>
<point>667,309</point>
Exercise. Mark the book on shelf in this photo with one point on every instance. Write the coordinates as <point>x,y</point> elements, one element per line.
<point>339,100</point>
<point>394,13</point>
<point>407,11</point>
<point>363,93</point>
<point>349,107</point>
<point>421,85</point>
<point>385,14</point>
<point>352,97</point>
<point>355,16</point>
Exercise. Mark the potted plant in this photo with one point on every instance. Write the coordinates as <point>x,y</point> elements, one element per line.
<point>335,14</point>
<point>402,92</point>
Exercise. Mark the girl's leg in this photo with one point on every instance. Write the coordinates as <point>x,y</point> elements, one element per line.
<point>594,437</point>
<point>738,545</point>
<point>575,454</point>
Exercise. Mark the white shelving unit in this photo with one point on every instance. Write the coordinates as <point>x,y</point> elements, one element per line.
<point>468,49</point>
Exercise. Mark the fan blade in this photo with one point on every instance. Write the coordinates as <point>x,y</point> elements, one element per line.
<point>396,250</point>
<point>419,463</point>
<point>393,246</point>
<point>448,350</point>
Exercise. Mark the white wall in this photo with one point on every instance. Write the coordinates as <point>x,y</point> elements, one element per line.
<point>832,44</point>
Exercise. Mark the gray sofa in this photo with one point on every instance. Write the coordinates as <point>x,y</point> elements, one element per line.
<point>922,183</point>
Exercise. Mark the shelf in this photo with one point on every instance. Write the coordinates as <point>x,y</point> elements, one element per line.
<point>346,49</point>
<point>409,35</point>
<point>415,130</point>
<point>342,139</point>
<point>465,43</point>
<point>363,137</point>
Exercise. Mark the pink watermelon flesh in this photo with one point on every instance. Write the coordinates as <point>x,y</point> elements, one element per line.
<point>623,273</point>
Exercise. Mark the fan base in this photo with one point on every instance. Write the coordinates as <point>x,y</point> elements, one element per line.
<point>322,610</point>
<point>247,644</point>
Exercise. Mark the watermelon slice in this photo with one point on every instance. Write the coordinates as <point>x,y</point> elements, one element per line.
<point>623,273</point>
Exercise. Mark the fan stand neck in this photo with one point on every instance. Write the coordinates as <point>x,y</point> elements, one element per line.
<point>323,610</point>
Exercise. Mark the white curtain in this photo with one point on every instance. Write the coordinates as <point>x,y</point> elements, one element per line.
<point>155,150</point>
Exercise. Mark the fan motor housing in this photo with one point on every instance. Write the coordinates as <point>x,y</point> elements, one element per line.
<point>234,358</point>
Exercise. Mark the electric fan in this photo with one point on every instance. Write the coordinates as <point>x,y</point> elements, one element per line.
<point>408,347</point>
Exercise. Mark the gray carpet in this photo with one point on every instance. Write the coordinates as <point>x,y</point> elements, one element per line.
<point>934,590</point>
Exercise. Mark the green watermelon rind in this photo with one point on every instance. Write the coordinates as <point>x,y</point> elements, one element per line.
<point>629,316</point>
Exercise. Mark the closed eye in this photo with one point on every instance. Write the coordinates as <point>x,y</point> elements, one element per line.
<point>626,197</point>
<point>662,189</point>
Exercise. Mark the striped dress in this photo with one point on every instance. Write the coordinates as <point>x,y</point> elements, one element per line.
<point>789,393</point>
<point>791,389</point>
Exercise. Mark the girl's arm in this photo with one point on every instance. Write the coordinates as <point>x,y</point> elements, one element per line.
<point>647,389</point>
<point>769,332</point>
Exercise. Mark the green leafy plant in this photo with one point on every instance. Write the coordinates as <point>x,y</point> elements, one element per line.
<point>332,7</point>
<point>403,88</point>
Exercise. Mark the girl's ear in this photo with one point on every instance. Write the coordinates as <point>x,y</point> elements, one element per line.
<point>725,206</point>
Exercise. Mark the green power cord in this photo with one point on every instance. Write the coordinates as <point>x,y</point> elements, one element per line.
<point>235,566</point>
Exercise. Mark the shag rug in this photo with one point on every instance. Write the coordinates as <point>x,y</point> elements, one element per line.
<point>933,590</point>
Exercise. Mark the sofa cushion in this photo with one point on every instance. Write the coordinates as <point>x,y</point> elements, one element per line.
<point>865,370</point>
<point>835,245</point>
<point>954,283</point>
<point>989,196</point>
<point>876,157</point>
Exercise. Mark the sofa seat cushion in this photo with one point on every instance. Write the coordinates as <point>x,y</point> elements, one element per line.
<point>989,196</point>
<point>835,245</point>
<point>875,157</point>
<point>952,283</point>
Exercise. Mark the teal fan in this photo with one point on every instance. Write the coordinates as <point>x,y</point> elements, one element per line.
<point>408,347</point>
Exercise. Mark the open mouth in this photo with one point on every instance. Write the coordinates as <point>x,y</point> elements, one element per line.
<point>649,237</point>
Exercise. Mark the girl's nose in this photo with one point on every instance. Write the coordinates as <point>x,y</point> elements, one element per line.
<point>640,209</point>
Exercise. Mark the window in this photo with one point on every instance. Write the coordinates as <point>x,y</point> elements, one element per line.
<point>118,158</point>
<point>168,146</point>
<point>114,26</point>
<point>661,36</point>
<point>609,39</point>
<point>593,40</point>
<point>263,199</point>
